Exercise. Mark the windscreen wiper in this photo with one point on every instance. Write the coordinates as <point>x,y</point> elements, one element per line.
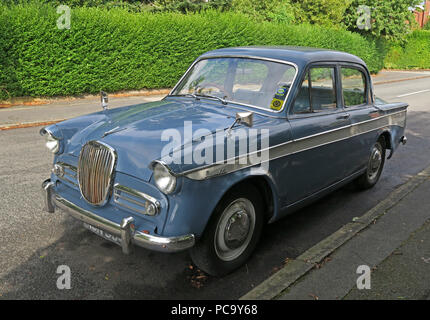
<point>185,95</point>
<point>211,96</point>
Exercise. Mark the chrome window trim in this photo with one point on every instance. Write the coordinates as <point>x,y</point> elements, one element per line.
<point>307,74</point>
<point>245,57</point>
<point>222,167</point>
<point>368,83</point>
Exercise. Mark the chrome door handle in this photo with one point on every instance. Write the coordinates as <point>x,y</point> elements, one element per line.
<point>343,117</point>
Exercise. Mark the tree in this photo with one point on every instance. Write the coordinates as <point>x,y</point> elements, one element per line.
<point>322,12</point>
<point>390,19</point>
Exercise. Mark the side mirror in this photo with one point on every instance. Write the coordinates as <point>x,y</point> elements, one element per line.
<point>104,99</point>
<point>246,118</point>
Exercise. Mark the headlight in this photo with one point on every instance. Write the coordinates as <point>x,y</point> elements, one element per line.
<point>52,143</point>
<point>164,180</point>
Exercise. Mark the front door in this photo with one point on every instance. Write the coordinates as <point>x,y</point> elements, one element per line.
<point>318,124</point>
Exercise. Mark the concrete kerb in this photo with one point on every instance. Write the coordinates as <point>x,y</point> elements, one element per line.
<point>275,285</point>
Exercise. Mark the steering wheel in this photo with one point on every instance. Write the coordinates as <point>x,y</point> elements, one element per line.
<point>212,85</point>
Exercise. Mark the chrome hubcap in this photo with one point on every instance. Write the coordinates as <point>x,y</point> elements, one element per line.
<point>237,229</point>
<point>375,161</point>
<point>234,230</point>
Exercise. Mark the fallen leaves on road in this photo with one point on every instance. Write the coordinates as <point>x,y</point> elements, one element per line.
<point>197,277</point>
<point>314,296</point>
<point>321,264</point>
<point>284,263</point>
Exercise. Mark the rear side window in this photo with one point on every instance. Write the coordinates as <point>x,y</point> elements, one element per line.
<point>353,87</point>
<point>318,91</point>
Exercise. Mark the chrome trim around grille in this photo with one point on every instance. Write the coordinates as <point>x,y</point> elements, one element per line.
<point>97,162</point>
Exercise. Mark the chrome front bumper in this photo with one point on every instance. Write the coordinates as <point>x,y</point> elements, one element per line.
<point>125,231</point>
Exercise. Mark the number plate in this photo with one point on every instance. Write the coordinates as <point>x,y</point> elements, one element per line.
<point>103,234</point>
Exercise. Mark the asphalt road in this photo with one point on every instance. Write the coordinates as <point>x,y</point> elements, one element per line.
<point>34,243</point>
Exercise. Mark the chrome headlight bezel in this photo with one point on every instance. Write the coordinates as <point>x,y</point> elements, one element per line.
<point>51,141</point>
<point>164,179</point>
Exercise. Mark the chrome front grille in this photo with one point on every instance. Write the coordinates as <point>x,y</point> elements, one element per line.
<point>95,172</point>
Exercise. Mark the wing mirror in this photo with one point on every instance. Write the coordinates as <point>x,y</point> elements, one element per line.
<point>246,118</point>
<point>104,99</point>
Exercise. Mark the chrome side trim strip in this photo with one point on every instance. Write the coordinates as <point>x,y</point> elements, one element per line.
<point>297,145</point>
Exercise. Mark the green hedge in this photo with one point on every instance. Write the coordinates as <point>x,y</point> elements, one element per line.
<point>117,50</point>
<point>415,54</point>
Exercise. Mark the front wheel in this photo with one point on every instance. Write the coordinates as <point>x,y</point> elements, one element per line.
<point>374,166</point>
<point>232,232</point>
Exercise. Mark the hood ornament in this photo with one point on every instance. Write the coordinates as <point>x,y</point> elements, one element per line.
<point>104,100</point>
<point>114,130</point>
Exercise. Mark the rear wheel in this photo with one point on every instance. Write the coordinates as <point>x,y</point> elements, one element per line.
<point>232,233</point>
<point>374,166</point>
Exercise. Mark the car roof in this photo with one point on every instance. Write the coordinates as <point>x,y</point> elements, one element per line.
<point>298,55</point>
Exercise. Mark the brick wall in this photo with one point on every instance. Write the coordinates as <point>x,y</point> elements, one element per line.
<point>422,16</point>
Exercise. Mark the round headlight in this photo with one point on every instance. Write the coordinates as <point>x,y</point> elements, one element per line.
<point>52,144</point>
<point>164,180</point>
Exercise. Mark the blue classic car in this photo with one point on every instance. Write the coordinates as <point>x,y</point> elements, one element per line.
<point>247,136</point>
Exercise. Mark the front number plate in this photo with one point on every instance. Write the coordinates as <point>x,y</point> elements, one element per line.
<point>103,234</point>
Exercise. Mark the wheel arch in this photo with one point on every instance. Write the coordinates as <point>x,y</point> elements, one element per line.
<point>266,186</point>
<point>386,135</point>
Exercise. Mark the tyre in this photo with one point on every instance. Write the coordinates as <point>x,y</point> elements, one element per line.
<point>374,166</point>
<point>232,232</point>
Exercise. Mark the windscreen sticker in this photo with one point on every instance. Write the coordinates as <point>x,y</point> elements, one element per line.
<point>278,99</point>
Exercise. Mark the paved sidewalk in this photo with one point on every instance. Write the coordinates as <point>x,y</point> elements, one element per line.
<point>66,109</point>
<point>405,274</point>
<point>393,241</point>
<point>387,76</point>
<point>58,111</point>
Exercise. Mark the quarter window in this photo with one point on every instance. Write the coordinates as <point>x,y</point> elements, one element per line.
<point>318,91</point>
<point>353,87</point>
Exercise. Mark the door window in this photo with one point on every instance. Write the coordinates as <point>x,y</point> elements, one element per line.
<point>353,87</point>
<point>318,91</point>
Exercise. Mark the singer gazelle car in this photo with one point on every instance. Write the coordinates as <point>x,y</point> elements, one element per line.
<point>247,136</point>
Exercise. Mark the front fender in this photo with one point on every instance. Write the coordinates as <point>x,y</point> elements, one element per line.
<point>191,208</point>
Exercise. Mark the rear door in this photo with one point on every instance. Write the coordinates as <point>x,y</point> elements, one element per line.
<point>318,123</point>
<point>357,102</point>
